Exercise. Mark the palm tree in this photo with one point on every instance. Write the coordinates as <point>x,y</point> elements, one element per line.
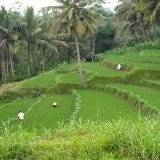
<point>133,21</point>
<point>7,38</point>
<point>45,41</point>
<point>150,9</point>
<point>32,33</point>
<point>28,30</point>
<point>75,19</point>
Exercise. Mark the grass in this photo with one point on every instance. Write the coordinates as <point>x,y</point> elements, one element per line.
<point>99,69</point>
<point>44,80</point>
<point>157,80</point>
<point>11,110</point>
<point>67,67</point>
<point>44,115</point>
<point>119,140</point>
<point>39,111</point>
<point>100,106</point>
<point>149,94</point>
<point>146,59</point>
<point>110,128</point>
<point>67,74</point>
<point>72,77</point>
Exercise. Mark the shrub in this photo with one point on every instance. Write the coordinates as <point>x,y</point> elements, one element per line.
<point>137,47</point>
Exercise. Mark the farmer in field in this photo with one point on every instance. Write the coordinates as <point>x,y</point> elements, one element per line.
<point>119,67</point>
<point>21,116</point>
<point>54,104</point>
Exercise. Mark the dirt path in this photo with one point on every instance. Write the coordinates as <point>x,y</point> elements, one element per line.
<point>7,87</point>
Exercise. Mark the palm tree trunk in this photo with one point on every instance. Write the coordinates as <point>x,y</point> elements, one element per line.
<point>7,64</point>
<point>28,69</point>
<point>12,66</point>
<point>79,62</point>
<point>11,61</point>
<point>94,40</point>
<point>93,50</point>
<point>32,50</point>
<point>136,36</point>
<point>144,34</point>
<point>43,59</point>
<point>3,67</point>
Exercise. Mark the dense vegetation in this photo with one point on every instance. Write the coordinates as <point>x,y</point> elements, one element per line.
<point>102,112</point>
<point>123,140</point>
<point>31,43</point>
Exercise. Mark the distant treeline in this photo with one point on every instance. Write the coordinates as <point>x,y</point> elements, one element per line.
<point>31,43</point>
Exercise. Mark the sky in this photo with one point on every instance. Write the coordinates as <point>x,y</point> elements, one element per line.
<point>37,4</point>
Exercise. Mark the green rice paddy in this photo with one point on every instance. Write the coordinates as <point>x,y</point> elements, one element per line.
<point>101,106</point>
<point>95,105</point>
<point>146,59</point>
<point>149,94</point>
<point>45,115</point>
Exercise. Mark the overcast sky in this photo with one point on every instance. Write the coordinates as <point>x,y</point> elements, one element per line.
<point>37,4</point>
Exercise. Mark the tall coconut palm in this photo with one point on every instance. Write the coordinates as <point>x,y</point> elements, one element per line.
<point>150,9</point>
<point>46,42</point>
<point>133,21</point>
<point>75,19</point>
<point>32,32</point>
<point>7,38</point>
<point>28,32</point>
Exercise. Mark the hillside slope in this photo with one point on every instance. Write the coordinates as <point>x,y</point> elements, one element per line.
<point>95,102</point>
<point>115,117</point>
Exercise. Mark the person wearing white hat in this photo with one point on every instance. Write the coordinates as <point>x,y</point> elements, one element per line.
<point>54,104</point>
<point>119,67</point>
<point>21,116</point>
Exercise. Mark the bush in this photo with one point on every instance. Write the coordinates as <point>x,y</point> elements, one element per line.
<point>136,48</point>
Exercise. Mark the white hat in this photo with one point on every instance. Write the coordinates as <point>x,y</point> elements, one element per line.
<point>55,103</point>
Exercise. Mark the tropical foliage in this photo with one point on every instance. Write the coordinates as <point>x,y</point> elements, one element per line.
<point>72,31</point>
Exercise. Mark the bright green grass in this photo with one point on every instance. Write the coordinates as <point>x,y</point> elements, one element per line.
<point>97,105</point>
<point>67,67</point>
<point>157,80</point>
<point>44,80</point>
<point>146,59</point>
<point>149,94</point>
<point>44,115</point>
<point>100,70</point>
<point>72,77</point>
<point>50,79</point>
<point>11,110</point>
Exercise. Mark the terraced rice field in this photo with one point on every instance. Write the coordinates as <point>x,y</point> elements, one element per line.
<point>95,105</point>
<point>10,110</point>
<point>39,111</point>
<point>69,75</point>
<point>100,70</point>
<point>44,80</point>
<point>45,115</point>
<point>72,77</point>
<point>98,105</point>
<point>146,59</point>
<point>149,94</point>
